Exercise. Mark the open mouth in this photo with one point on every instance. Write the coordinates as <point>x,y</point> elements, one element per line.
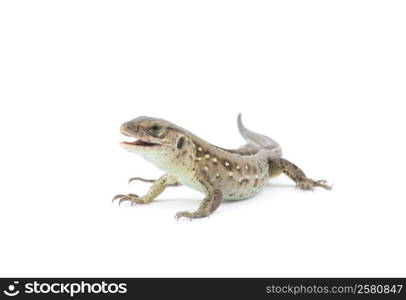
<point>138,142</point>
<point>141,143</point>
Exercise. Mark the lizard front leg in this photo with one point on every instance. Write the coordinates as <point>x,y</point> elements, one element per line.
<point>279,165</point>
<point>155,190</point>
<point>206,207</point>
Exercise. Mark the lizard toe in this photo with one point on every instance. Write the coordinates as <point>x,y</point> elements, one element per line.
<point>310,184</point>
<point>184,214</point>
<point>133,198</point>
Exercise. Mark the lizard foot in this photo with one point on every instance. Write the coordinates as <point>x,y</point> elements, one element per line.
<point>130,197</point>
<point>184,214</point>
<point>151,180</point>
<point>141,179</point>
<point>191,215</point>
<point>309,184</point>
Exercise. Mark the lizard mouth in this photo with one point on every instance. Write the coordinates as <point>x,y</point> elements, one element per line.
<point>137,143</point>
<point>140,143</point>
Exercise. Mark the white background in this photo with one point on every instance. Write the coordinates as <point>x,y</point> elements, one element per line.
<point>326,79</point>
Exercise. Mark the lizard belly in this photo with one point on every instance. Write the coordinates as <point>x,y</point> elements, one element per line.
<point>248,190</point>
<point>191,182</point>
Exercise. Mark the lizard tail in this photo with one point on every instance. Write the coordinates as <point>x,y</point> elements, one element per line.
<point>258,141</point>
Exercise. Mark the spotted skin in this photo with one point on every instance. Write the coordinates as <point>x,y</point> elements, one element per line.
<point>220,174</point>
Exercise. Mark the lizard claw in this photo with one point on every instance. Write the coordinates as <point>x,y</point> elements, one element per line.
<point>309,184</point>
<point>184,214</point>
<point>117,197</point>
<point>323,184</point>
<point>130,197</point>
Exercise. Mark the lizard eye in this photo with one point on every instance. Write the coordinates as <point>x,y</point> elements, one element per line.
<point>155,128</point>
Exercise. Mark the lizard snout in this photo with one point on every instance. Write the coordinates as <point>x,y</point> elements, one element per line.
<point>129,128</point>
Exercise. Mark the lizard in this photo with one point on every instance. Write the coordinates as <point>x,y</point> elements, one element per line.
<point>218,173</point>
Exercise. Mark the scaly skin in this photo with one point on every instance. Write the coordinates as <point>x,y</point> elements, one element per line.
<point>220,174</point>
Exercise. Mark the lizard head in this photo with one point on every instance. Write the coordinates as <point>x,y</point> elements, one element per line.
<point>158,141</point>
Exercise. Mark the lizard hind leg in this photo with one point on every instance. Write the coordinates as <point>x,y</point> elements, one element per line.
<point>280,165</point>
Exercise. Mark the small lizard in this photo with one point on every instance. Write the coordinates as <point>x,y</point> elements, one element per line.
<point>220,174</point>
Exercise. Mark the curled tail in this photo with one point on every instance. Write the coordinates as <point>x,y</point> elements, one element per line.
<point>258,141</point>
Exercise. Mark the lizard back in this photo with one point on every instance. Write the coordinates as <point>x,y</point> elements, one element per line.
<point>239,173</point>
